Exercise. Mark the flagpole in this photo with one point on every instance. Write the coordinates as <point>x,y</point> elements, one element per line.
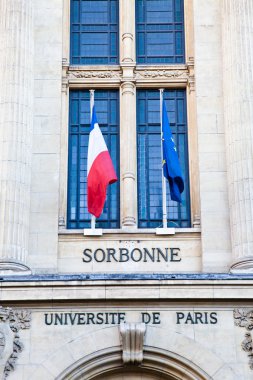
<point>163,178</point>
<point>93,218</point>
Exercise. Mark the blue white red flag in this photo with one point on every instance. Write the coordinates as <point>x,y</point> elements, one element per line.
<point>171,165</point>
<point>100,170</point>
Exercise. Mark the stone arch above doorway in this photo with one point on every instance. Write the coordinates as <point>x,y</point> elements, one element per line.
<point>157,365</point>
<point>166,353</point>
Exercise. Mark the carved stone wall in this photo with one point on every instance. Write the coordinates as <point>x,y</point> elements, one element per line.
<point>16,121</point>
<point>244,318</point>
<point>11,322</point>
<point>238,112</point>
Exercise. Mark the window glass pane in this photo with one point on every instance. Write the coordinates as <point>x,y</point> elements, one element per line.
<point>160,31</point>
<point>149,158</point>
<point>94,32</point>
<point>107,109</point>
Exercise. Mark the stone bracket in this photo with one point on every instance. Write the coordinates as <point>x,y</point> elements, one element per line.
<point>244,318</point>
<point>132,336</point>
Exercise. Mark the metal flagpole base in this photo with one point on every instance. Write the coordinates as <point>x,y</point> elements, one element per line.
<point>165,231</point>
<point>93,232</point>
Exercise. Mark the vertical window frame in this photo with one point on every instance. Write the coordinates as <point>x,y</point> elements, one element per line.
<point>174,59</point>
<point>102,222</point>
<point>154,223</point>
<point>104,60</point>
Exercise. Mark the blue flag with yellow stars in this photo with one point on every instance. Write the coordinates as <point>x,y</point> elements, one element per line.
<point>171,166</point>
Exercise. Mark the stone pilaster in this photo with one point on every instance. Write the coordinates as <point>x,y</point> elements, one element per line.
<point>238,108</point>
<point>16,120</point>
<point>127,32</point>
<point>128,114</point>
<point>128,154</point>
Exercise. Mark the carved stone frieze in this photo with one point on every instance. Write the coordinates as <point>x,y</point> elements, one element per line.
<point>132,335</point>
<point>11,322</point>
<point>174,74</point>
<point>161,74</point>
<point>105,74</point>
<point>244,318</point>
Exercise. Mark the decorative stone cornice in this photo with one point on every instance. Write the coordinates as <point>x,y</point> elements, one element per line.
<point>244,318</point>
<point>160,74</point>
<point>101,75</point>
<point>142,75</point>
<point>11,322</point>
<point>132,335</point>
<point>94,74</point>
<point>174,74</point>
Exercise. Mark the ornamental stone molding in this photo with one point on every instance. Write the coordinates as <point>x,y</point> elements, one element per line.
<point>11,322</point>
<point>174,74</point>
<point>244,318</point>
<point>132,336</point>
<point>81,75</point>
<point>94,74</point>
<point>160,74</point>
<point>151,75</point>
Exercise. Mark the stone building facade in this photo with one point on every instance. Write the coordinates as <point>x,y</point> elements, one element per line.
<point>126,301</point>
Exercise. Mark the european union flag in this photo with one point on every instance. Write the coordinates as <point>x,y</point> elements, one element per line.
<point>171,166</point>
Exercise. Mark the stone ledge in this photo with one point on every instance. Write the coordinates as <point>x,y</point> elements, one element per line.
<point>131,231</point>
<point>162,287</point>
<point>202,277</point>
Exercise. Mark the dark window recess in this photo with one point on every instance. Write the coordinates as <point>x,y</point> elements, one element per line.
<point>149,158</point>
<point>160,31</point>
<point>107,110</point>
<point>94,32</point>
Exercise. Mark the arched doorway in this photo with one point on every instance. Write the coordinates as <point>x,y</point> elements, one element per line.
<point>132,374</point>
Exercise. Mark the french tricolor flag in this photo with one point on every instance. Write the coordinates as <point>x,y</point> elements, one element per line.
<point>100,171</point>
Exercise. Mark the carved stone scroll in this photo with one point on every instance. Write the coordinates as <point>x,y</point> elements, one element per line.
<point>11,322</point>
<point>244,318</point>
<point>132,335</point>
